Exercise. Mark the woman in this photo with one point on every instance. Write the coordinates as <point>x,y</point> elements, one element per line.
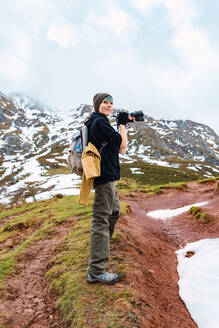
<point>106,206</point>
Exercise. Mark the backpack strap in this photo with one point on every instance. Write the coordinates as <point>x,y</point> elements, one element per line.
<point>104,142</point>
<point>84,136</point>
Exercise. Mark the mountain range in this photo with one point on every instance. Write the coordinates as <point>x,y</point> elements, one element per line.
<point>34,143</point>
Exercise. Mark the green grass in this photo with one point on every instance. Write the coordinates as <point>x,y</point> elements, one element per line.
<point>209,180</point>
<point>199,215</point>
<point>33,222</point>
<point>7,212</point>
<point>127,186</point>
<point>139,182</point>
<point>81,305</point>
<point>125,208</point>
<point>158,175</point>
<point>58,170</point>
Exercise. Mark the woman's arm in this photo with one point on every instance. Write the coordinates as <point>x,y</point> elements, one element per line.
<point>123,133</point>
<point>124,144</point>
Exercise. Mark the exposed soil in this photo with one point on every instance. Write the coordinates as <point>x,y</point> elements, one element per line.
<point>26,301</point>
<point>148,246</point>
<point>150,250</point>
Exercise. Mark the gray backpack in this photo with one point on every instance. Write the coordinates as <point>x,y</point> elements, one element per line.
<point>79,142</point>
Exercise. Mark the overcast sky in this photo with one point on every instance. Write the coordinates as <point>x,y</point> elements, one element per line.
<point>161,56</point>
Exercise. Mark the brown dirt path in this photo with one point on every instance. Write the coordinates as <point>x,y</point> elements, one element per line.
<point>148,246</point>
<point>150,250</point>
<point>26,301</point>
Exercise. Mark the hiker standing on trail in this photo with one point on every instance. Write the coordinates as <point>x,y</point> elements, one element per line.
<point>106,206</point>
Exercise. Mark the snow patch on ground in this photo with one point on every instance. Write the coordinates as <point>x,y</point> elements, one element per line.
<point>199,281</point>
<point>166,214</point>
<point>136,170</point>
<point>32,172</point>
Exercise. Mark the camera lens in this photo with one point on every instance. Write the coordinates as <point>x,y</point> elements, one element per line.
<point>138,115</point>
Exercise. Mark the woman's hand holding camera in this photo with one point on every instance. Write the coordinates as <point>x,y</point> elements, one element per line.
<point>123,118</point>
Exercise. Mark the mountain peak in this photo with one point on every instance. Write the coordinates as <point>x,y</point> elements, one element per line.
<point>23,101</point>
<point>34,143</point>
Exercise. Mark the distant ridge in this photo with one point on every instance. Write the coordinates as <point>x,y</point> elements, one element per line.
<point>34,142</point>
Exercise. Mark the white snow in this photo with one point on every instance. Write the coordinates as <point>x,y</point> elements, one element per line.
<point>178,142</point>
<point>33,172</point>
<point>166,214</point>
<point>51,160</point>
<point>171,125</point>
<point>150,160</point>
<point>49,194</point>
<point>141,149</point>
<point>61,181</point>
<point>132,131</point>
<point>62,157</point>
<point>126,159</point>
<point>212,142</point>
<point>198,274</point>
<point>9,169</point>
<point>33,166</point>
<point>66,184</point>
<point>193,168</point>
<point>199,281</point>
<point>136,170</point>
<point>199,158</point>
<point>161,131</point>
<point>214,169</point>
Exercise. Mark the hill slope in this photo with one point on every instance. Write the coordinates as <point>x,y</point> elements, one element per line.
<point>34,143</point>
<point>44,254</point>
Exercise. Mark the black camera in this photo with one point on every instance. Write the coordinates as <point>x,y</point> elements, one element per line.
<point>122,117</point>
<point>138,115</point>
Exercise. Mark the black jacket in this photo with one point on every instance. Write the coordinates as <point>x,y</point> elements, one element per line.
<point>100,131</point>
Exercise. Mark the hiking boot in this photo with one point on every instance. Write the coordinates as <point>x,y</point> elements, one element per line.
<point>103,278</point>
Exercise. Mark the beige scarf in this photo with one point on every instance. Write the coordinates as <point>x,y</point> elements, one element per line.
<point>91,169</point>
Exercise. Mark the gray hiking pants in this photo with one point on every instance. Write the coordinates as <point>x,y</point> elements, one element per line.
<point>106,211</point>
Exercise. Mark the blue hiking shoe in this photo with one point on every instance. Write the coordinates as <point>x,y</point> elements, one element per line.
<point>103,278</point>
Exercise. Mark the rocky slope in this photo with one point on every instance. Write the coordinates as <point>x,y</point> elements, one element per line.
<point>34,142</point>
<point>181,139</point>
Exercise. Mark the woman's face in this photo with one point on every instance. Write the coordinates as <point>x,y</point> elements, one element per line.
<point>106,107</point>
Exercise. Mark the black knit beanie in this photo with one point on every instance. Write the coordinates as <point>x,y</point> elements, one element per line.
<point>97,100</point>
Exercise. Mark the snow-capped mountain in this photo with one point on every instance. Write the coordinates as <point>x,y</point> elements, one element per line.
<point>26,102</point>
<point>34,143</point>
<point>166,139</point>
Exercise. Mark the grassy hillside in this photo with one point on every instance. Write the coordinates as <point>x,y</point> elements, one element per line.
<point>27,224</point>
<point>154,174</point>
<point>81,305</point>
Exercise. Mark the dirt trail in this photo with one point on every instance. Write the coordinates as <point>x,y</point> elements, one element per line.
<point>148,246</point>
<point>150,250</point>
<point>26,301</point>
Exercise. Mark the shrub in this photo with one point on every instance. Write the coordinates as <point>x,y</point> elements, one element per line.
<point>200,216</point>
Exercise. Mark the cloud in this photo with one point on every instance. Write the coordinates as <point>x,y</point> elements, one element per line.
<point>63,33</point>
<point>180,12</point>
<point>190,41</point>
<point>195,49</point>
<point>198,56</point>
<point>45,17</point>
<point>132,83</point>
<point>37,13</point>
<point>150,54</point>
<point>115,19</point>
<point>195,58</point>
<point>55,25</point>
<point>144,5</point>
<point>15,59</point>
